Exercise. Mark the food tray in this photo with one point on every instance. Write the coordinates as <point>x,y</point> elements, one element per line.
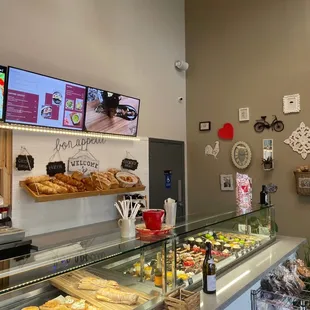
<point>44,198</point>
<point>9,234</point>
<point>68,283</point>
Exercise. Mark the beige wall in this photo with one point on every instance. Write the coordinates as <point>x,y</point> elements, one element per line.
<point>128,46</point>
<point>247,54</point>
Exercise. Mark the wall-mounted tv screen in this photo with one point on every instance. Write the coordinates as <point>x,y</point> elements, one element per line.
<point>2,89</point>
<point>39,100</point>
<point>111,113</point>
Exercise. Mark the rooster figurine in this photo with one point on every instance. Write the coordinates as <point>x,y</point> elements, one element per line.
<point>213,151</point>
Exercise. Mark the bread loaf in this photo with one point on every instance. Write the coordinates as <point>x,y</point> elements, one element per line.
<point>116,296</point>
<point>38,179</point>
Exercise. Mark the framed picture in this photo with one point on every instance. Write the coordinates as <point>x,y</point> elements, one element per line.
<point>244,114</point>
<point>227,182</point>
<point>204,126</point>
<point>291,104</point>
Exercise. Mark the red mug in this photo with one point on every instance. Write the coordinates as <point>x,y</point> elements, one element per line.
<point>153,218</point>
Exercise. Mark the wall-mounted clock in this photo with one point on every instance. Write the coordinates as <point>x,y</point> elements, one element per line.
<point>241,155</point>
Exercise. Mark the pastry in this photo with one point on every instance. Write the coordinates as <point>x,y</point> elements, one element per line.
<point>118,297</point>
<point>79,305</point>
<point>58,188</point>
<point>38,179</point>
<point>89,184</point>
<point>76,175</point>
<point>70,188</point>
<point>31,308</point>
<point>69,180</point>
<point>50,305</point>
<point>94,284</point>
<point>113,180</point>
<point>42,189</point>
<point>114,171</point>
<point>61,307</point>
<point>69,300</point>
<point>100,182</point>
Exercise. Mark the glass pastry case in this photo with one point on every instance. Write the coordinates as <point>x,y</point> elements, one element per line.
<point>107,272</point>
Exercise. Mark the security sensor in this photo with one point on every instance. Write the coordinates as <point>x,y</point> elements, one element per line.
<point>180,99</point>
<point>181,65</point>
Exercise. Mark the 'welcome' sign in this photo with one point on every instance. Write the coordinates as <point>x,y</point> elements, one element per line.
<point>84,164</point>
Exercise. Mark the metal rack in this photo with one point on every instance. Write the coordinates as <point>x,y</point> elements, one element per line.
<point>265,300</point>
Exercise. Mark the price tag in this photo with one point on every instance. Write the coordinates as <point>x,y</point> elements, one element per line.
<point>24,162</point>
<point>130,164</point>
<point>55,167</point>
<point>190,281</point>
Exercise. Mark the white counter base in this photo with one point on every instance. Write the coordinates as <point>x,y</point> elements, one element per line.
<point>240,280</point>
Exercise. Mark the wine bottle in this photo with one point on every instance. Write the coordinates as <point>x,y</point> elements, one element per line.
<point>209,272</point>
<point>263,196</point>
<point>158,272</point>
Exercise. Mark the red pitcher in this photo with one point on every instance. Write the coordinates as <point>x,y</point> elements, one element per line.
<point>153,218</point>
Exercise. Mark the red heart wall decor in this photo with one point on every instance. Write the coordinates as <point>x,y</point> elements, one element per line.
<point>226,132</point>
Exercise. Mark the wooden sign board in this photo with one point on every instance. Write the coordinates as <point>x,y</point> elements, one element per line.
<point>83,164</point>
<point>24,162</point>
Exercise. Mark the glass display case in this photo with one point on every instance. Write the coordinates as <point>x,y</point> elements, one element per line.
<point>108,272</point>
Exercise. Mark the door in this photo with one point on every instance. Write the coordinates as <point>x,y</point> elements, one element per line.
<point>167,173</point>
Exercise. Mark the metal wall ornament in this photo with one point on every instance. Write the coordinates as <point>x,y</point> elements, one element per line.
<point>209,150</point>
<point>241,155</point>
<point>262,124</point>
<point>291,104</point>
<point>299,140</point>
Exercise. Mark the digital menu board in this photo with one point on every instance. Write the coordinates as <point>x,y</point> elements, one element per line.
<point>2,88</point>
<point>39,100</point>
<point>111,113</point>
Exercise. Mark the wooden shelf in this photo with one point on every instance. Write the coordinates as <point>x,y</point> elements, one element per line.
<point>44,198</point>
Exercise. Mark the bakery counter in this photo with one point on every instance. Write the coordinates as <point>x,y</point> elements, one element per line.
<point>232,285</point>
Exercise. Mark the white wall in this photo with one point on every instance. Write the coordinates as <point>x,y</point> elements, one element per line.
<point>128,46</point>
<point>43,217</point>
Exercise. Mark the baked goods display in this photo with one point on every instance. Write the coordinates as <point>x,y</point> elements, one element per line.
<point>61,183</point>
<point>190,254</point>
<point>116,296</point>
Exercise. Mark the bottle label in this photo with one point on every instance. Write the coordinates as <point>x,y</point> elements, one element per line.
<point>211,283</point>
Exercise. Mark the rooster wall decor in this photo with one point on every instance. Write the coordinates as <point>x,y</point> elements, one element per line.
<point>213,151</point>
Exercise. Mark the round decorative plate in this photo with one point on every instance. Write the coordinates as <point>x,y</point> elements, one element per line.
<point>241,155</point>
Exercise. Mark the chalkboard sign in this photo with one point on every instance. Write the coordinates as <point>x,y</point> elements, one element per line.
<point>55,167</point>
<point>24,162</point>
<point>130,164</point>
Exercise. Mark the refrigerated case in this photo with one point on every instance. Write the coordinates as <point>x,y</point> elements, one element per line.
<point>33,279</point>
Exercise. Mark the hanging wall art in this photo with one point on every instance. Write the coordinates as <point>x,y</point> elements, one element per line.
<point>226,132</point>
<point>299,140</point>
<point>291,104</point>
<point>244,114</point>
<point>241,155</point>
<point>209,150</point>
<point>262,124</point>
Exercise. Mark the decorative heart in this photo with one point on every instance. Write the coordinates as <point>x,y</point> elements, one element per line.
<point>226,132</point>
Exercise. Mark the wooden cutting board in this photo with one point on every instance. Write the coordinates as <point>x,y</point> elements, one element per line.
<point>68,283</point>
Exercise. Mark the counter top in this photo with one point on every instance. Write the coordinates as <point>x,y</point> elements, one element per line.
<point>233,284</point>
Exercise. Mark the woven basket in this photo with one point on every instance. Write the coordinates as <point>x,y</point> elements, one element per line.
<point>302,180</point>
<point>181,299</point>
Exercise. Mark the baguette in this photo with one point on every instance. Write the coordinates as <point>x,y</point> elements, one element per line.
<point>38,179</point>
<point>42,189</point>
<point>94,284</point>
<point>116,296</point>
<point>58,188</point>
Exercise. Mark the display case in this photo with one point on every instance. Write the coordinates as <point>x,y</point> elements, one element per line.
<point>112,273</point>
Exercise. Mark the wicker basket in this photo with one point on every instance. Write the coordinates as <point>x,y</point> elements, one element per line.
<point>302,180</point>
<point>182,300</point>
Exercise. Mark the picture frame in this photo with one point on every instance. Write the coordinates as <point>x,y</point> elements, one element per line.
<point>268,154</point>
<point>244,114</point>
<point>205,126</point>
<point>291,104</point>
<point>227,182</point>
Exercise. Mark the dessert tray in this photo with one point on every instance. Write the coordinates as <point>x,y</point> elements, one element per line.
<point>143,231</point>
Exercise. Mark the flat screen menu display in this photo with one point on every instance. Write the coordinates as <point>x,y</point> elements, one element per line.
<point>40,100</point>
<point>2,87</point>
<point>111,113</point>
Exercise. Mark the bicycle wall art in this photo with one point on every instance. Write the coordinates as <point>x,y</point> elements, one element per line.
<point>262,124</point>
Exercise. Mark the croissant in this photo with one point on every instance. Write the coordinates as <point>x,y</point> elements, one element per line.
<point>42,189</point>
<point>77,175</point>
<point>115,296</point>
<point>71,189</point>
<point>38,179</point>
<point>58,188</point>
<point>89,184</point>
